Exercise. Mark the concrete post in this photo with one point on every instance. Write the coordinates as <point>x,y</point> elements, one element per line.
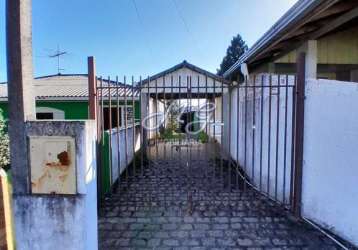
<point>20,89</point>
<point>310,50</point>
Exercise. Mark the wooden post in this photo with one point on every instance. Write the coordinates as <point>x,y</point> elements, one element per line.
<point>299,132</point>
<point>92,88</point>
<point>20,88</point>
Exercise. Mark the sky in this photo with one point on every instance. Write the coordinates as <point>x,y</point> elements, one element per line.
<point>140,37</point>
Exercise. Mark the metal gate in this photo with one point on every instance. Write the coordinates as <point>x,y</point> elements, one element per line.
<point>197,140</point>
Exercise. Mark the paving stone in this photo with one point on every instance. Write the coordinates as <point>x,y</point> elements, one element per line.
<point>244,242</point>
<point>171,243</point>
<point>180,234</point>
<point>216,233</point>
<point>152,211</point>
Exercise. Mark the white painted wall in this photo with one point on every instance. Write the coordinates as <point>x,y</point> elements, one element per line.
<point>330,168</point>
<point>119,162</point>
<point>90,175</point>
<point>62,221</point>
<point>256,165</point>
<point>197,79</point>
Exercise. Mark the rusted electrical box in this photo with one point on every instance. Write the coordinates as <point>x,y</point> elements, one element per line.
<point>53,165</point>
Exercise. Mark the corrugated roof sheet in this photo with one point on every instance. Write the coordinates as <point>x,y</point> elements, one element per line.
<point>71,87</point>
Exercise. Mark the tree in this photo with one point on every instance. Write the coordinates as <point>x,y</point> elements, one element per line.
<point>233,53</point>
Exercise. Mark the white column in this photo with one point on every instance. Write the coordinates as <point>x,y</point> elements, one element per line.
<point>310,49</point>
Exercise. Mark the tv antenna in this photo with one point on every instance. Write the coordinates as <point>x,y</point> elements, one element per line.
<point>58,54</point>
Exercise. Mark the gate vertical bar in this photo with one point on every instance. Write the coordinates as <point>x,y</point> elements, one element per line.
<point>99,142</point>
<point>253,129</point>
<point>229,134</point>
<point>285,142</point>
<point>214,127</point>
<point>149,133</point>
<point>292,149</point>
<point>110,131</point>
<point>172,187</point>
<point>139,89</point>
<point>190,192</point>
<point>125,129</point>
<point>245,130</point>
<point>277,132</point>
<point>299,133</point>
<point>238,136</point>
<point>156,165</point>
<point>269,136</point>
<point>117,137</point>
<point>261,127</point>
<point>222,136</point>
<point>133,129</point>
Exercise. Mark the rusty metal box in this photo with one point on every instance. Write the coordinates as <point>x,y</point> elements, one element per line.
<point>53,165</point>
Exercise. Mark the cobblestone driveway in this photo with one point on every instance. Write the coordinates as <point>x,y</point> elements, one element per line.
<point>170,204</point>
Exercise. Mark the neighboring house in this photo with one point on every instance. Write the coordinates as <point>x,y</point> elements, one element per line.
<point>66,97</point>
<point>326,30</point>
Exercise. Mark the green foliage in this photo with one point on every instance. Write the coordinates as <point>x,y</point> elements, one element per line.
<point>169,134</point>
<point>233,53</point>
<point>4,146</point>
<point>203,137</point>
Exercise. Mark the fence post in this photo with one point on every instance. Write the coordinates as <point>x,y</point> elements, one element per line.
<point>299,132</point>
<point>92,88</point>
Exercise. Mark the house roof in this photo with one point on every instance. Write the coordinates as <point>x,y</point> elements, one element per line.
<point>307,19</point>
<point>69,87</point>
<point>187,65</point>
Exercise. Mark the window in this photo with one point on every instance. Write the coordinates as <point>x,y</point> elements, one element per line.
<point>44,116</point>
<point>114,117</point>
<point>45,113</point>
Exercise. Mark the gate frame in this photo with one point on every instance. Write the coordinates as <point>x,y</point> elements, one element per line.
<point>299,134</point>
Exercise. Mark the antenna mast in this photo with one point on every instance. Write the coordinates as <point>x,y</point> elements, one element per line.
<point>58,54</point>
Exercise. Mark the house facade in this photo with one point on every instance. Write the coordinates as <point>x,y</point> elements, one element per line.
<point>327,31</point>
<point>65,97</point>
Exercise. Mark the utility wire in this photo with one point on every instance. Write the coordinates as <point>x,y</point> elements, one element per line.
<point>181,16</point>
<point>140,20</point>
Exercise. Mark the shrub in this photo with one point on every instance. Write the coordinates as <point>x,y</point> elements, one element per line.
<point>4,146</point>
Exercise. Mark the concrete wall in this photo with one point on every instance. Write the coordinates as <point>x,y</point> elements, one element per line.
<point>330,172</point>
<point>61,221</point>
<point>258,167</point>
<point>119,161</point>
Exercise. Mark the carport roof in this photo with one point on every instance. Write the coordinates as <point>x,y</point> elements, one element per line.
<point>187,65</point>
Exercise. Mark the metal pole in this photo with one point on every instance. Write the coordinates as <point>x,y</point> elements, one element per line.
<point>245,131</point>
<point>110,131</point>
<point>299,132</point>
<point>277,132</point>
<point>253,130</point>
<point>269,138</point>
<point>285,143</point>
<point>261,127</point>
<point>238,136</point>
<point>117,136</point>
<point>92,87</point>
<point>133,129</point>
